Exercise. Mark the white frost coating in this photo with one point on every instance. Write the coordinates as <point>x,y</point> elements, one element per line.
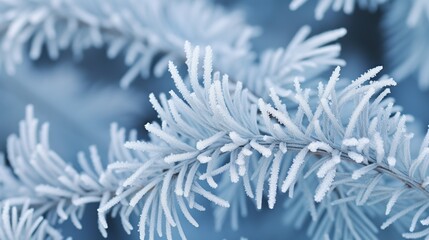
<point>358,143</point>
<point>328,165</point>
<point>135,145</point>
<point>179,181</point>
<point>273,180</point>
<point>314,146</point>
<point>112,202</point>
<point>143,215</point>
<point>242,170</point>
<point>186,212</point>
<point>417,162</point>
<point>371,73</point>
<point>283,147</point>
<point>362,142</point>
<point>24,223</point>
<point>141,193</point>
<point>193,70</point>
<point>417,217</point>
<point>356,157</point>
<point>164,198</point>
<point>180,157</point>
<point>324,186</point>
<point>172,137</point>
<point>401,213</point>
<point>233,172</point>
<point>178,81</point>
<point>283,119</point>
<point>204,158</point>
<point>229,147</point>
<point>209,196</point>
<point>395,142</point>
<point>266,152</point>
<point>215,172</point>
<point>190,180</point>
<point>379,147</point>
<point>302,100</point>
<point>358,109</point>
<point>363,170</point>
<point>294,169</point>
<point>168,138</point>
<point>393,200</point>
<point>425,222</point>
<point>391,161</point>
<point>335,76</point>
<point>203,144</point>
<point>237,139</point>
<point>350,142</point>
<point>425,142</point>
<point>208,69</point>
<point>55,191</point>
<point>244,152</point>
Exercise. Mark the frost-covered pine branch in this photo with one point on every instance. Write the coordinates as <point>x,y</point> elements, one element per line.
<point>213,129</point>
<point>336,151</point>
<point>61,197</point>
<point>343,153</point>
<point>345,138</point>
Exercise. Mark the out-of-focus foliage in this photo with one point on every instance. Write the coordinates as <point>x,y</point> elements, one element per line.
<point>406,34</point>
<point>144,31</point>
